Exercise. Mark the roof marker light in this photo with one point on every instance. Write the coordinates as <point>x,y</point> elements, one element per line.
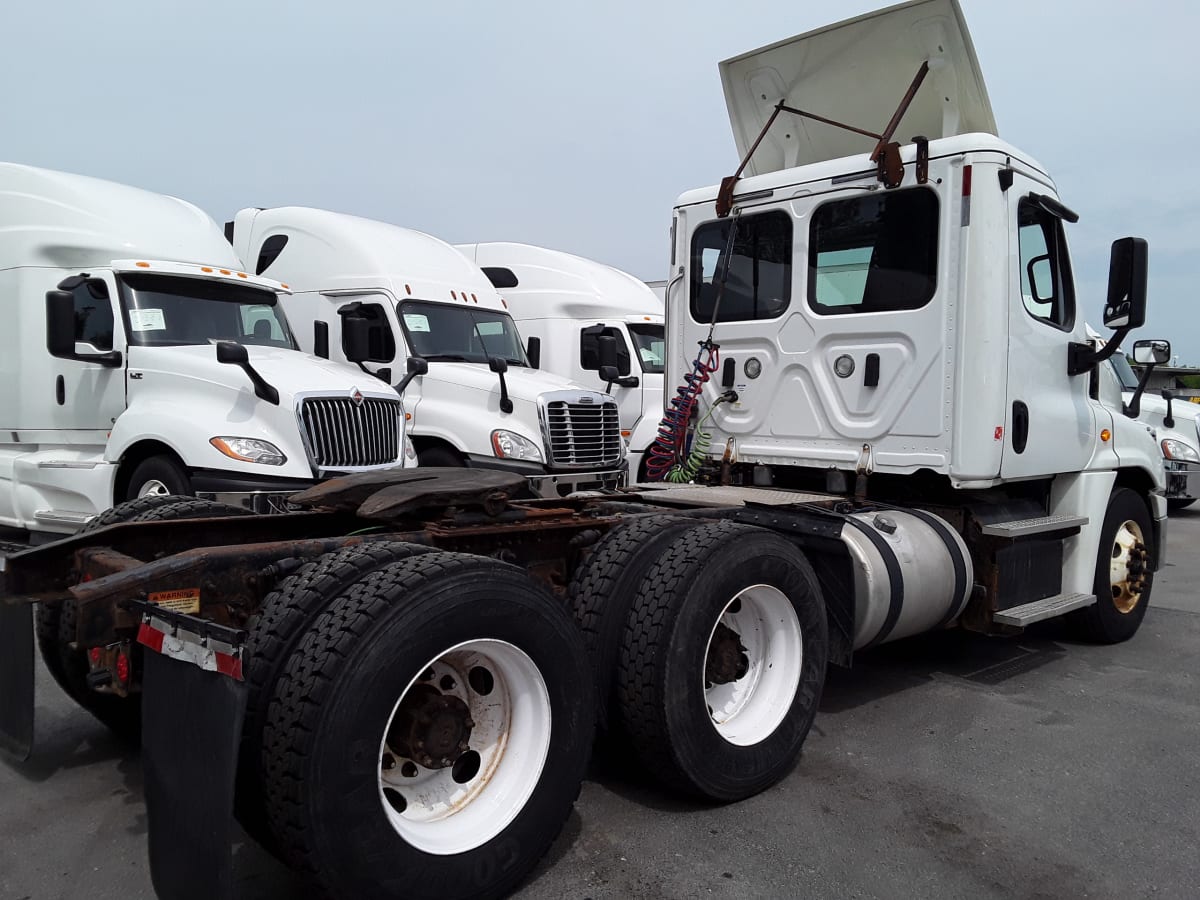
<point>453,295</point>
<point>284,286</point>
<point>242,275</point>
<point>225,272</point>
<point>505,302</point>
<point>206,269</point>
<point>473,297</point>
<point>407,289</point>
<point>142,265</point>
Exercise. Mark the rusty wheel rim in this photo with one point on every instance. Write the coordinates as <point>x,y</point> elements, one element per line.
<point>1128,567</point>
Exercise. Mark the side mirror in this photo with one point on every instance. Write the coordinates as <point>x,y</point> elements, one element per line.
<point>498,364</point>
<point>533,349</point>
<point>607,349</point>
<point>415,366</point>
<point>232,353</point>
<point>609,374</point>
<point>356,341</point>
<point>60,324</point>
<point>1127,268</point>
<point>1146,353</point>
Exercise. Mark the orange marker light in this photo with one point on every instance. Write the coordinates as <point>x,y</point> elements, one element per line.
<point>1105,435</point>
<point>226,272</point>
<point>142,265</point>
<point>284,286</point>
<point>407,289</point>
<point>242,275</point>
<point>408,417</point>
<point>453,295</point>
<point>505,302</point>
<point>206,269</point>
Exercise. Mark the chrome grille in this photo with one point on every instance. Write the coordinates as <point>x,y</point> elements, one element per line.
<point>344,435</point>
<point>583,433</point>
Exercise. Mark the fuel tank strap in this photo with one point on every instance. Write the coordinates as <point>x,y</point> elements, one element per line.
<point>895,581</point>
<point>961,588</point>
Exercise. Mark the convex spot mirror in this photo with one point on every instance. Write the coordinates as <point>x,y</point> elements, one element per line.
<point>1125,306</point>
<point>1151,352</point>
<point>1041,279</point>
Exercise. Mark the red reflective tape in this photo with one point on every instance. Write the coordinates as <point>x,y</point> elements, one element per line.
<point>966,181</point>
<point>150,637</point>
<point>228,664</point>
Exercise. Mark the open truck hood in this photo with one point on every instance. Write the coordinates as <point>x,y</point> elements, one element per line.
<point>856,72</point>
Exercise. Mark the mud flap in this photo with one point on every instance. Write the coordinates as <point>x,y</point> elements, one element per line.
<point>16,678</point>
<point>193,704</point>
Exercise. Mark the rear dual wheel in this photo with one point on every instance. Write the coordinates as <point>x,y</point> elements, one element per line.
<point>429,733</point>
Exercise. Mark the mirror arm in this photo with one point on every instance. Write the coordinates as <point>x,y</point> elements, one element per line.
<point>506,404</point>
<point>404,382</point>
<point>1082,357</point>
<point>1169,419</point>
<point>1133,408</point>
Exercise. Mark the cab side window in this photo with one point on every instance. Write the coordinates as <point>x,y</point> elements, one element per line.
<point>1047,289</point>
<point>589,348</point>
<point>93,315</point>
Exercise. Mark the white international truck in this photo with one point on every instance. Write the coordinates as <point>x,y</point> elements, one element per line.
<point>892,421</point>
<point>139,359</point>
<point>587,316</point>
<point>474,396</point>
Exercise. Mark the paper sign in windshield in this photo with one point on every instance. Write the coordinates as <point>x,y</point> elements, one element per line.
<point>147,320</point>
<point>416,322</point>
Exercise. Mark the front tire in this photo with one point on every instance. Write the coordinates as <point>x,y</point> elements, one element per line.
<point>158,476</point>
<point>368,785</point>
<point>1123,572</point>
<point>723,661</point>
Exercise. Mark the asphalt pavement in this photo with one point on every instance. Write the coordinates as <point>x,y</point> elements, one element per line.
<point>949,765</point>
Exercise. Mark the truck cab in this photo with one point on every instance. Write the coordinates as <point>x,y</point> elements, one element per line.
<point>574,307</point>
<point>141,359</point>
<point>897,318</point>
<point>439,331</point>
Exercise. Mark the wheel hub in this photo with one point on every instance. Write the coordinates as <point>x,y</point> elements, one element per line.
<point>431,728</point>
<point>727,660</point>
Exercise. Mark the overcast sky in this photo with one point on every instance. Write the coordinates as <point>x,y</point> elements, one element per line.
<point>572,125</point>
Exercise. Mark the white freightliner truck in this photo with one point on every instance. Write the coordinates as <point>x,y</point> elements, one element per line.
<point>473,395</point>
<point>900,430</point>
<point>118,385</point>
<point>586,316</point>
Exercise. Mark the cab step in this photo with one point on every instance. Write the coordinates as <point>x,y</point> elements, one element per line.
<point>1047,608</point>
<point>1019,528</point>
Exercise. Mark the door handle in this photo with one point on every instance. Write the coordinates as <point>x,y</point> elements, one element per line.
<point>871,371</point>
<point>1020,429</point>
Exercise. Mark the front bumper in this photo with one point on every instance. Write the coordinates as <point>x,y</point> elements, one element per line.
<point>549,484</point>
<point>260,493</point>
<point>1183,479</point>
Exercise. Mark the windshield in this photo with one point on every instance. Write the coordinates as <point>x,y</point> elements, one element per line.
<point>1120,364</point>
<point>168,311</point>
<point>651,346</point>
<point>441,332</point>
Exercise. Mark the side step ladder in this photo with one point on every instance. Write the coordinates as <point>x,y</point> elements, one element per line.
<point>1047,608</point>
<point>1042,525</point>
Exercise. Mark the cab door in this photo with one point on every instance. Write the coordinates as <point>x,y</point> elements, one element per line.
<point>88,396</point>
<point>1050,425</point>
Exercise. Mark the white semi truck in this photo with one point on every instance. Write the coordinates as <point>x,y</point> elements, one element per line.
<point>474,396</point>
<point>892,422</point>
<point>139,359</point>
<point>587,316</point>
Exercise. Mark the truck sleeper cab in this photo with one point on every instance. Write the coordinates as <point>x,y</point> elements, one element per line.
<point>571,305</point>
<point>432,316</point>
<point>171,372</point>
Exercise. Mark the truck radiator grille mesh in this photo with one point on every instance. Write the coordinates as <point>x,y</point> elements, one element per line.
<point>343,434</point>
<point>583,434</point>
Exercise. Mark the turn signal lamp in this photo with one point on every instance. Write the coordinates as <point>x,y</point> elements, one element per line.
<point>1105,435</point>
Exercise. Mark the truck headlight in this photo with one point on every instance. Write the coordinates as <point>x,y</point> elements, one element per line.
<point>512,446</point>
<point>250,450</point>
<point>1173,449</point>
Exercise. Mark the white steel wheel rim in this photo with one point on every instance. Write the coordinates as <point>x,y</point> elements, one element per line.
<point>510,734</point>
<point>749,709</point>
<point>1128,547</point>
<point>153,488</point>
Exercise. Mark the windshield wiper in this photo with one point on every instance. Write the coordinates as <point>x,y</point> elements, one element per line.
<point>448,357</point>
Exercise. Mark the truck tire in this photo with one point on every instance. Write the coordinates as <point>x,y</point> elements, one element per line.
<point>284,616</point>
<point>55,625</point>
<point>1123,575</point>
<point>723,661</point>
<point>421,658</point>
<point>602,591</point>
<point>158,476</point>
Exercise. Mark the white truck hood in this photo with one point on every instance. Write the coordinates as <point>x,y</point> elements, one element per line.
<point>523,383</point>
<point>856,72</point>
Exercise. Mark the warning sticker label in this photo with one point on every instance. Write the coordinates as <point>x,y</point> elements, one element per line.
<point>184,601</point>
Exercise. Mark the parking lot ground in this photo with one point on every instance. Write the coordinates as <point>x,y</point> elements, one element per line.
<point>948,765</point>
